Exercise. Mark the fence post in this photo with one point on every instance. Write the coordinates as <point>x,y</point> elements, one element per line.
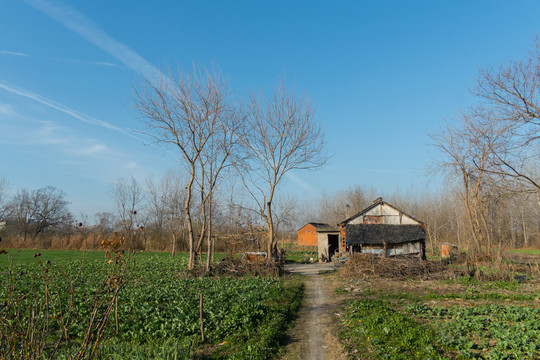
<point>201,315</point>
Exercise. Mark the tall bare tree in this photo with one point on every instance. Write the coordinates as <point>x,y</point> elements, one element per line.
<point>466,152</point>
<point>281,135</point>
<point>496,149</point>
<point>20,211</point>
<point>128,196</point>
<point>165,207</point>
<point>509,99</point>
<point>105,222</point>
<point>3,199</point>
<point>191,112</point>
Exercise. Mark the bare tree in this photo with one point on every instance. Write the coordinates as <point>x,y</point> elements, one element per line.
<point>166,210</point>
<point>219,154</point>
<point>281,135</point>
<point>4,186</point>
<point>39,210</point>
<point>509,99</point>
<point>128,197</point>
<point>191,112</point>
<point>105,222</point>
<point>496,151</point>
<point>50,208</point>
<point>336,207</point>
<point>466,152</point>
<point>20,211</point>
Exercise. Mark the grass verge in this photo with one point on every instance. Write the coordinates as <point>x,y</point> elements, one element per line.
<point>47,307</point>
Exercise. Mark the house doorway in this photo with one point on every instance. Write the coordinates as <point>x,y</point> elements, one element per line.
<point>333,243</point>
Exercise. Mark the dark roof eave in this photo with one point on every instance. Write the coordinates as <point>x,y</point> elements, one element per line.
<point>376,234</point>
<point>329,231</point>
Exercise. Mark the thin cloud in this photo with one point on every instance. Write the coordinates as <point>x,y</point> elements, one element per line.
<point>6,109</point>
<point>87,29</point>
<point>89,62</point>
<point>303,184</point>
<point>62,108</point>
<point>94,149</point>
<point>13,53</point>
<point>34,132</point>
<point>388,171</point>
<point>102,63</point>
<point>131,165</point>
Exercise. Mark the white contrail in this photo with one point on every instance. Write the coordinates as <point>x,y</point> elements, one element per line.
<point>65,109</point>
<point>14,53</point>
<point>299,181</point>
<point>87,29</point>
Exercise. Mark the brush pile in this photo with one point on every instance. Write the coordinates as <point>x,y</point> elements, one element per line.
<point>403,267</point>
<point>233,267</point>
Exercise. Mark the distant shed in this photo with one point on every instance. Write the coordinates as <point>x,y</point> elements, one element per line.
<point>308,235</point>
<point>383,229</point>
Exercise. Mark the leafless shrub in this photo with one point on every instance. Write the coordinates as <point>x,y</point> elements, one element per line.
<point>36,321</point>
<point>370,265</point>
<point>232,267</point>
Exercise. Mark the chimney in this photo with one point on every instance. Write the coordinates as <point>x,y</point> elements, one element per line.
<point>347,211</point>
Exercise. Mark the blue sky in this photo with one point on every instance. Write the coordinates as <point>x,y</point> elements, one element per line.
<point>382,74</point>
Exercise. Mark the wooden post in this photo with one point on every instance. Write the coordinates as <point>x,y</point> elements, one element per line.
<point>385,248</point>
<point>116,313</point>
<point>201,315</point>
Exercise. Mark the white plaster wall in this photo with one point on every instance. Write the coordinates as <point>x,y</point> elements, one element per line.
<point>387,210</point>
<point>322,240</point>
<point>358,220</point>
<point>390,216</point>
<point>409,221</point>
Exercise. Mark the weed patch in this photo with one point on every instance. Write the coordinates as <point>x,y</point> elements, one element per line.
<point>387,333</point>
<point>490,331</point>
<point>155,313</point>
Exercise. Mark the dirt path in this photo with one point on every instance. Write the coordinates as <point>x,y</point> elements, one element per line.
<point>314,336</point>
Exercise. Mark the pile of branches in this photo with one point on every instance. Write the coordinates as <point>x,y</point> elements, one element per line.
<point>234,267</point>
<point>398,267</point>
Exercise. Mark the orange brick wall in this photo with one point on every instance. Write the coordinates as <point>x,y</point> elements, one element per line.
<point>343,245</point>
<point>307,236</point>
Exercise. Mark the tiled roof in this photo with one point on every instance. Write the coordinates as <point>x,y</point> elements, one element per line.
<point>324,227</point>
<point>374,234</point>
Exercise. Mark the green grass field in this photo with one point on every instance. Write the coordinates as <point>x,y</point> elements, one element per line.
<point>57,306</point>
<point>26,256</point>
<point>300,256</point>
<point>442,319</point>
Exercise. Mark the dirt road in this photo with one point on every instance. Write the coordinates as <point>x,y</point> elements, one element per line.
<point>314,336</point>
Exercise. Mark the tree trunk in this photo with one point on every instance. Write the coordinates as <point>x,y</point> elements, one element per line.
<point>524,226</point>
<point>209,240</point>
<point>173,250</point>
<point>191,263</point>
<point>270,227</point>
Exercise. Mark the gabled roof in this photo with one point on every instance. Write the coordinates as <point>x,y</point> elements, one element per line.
<point>374,234</point>
<point>320,227</point>
<point>377,202</point>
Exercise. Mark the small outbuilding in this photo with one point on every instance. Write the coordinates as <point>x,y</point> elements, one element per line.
<point>308,235</point>
<point>383,229</point>
<point>323,236</point>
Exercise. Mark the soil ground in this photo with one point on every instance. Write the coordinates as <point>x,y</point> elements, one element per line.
<point>314,336</point>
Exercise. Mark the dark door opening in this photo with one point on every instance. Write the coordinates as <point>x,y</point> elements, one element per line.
<point>333,243</point>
